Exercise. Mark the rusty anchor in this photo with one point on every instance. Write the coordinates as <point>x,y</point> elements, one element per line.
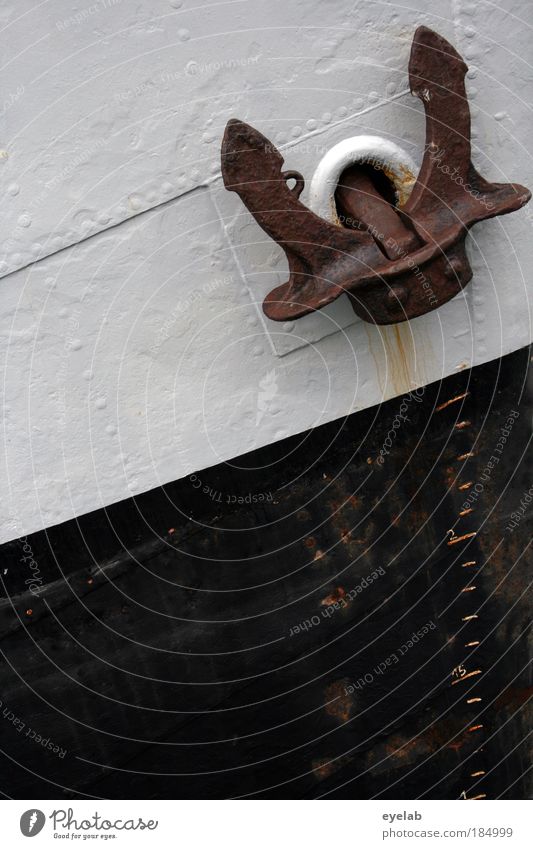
<point>395,262</point>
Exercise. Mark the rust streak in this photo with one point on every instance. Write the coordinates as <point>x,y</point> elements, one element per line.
<point>466,485</point>
<point>466,456</point>
<point>462,425</point>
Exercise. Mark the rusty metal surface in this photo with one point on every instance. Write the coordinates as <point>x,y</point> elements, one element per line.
<point>242,642</point>
<point>395,264</point>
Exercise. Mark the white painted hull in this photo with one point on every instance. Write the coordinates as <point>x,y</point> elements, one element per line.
<point>134,348</point>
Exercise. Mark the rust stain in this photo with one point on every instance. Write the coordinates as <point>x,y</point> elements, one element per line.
<point>466,485</point>
<point>462,425</point>
<point>310,542</point>
<point>319,554</point>
<point>454,540</point>
<point>468,675</point>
